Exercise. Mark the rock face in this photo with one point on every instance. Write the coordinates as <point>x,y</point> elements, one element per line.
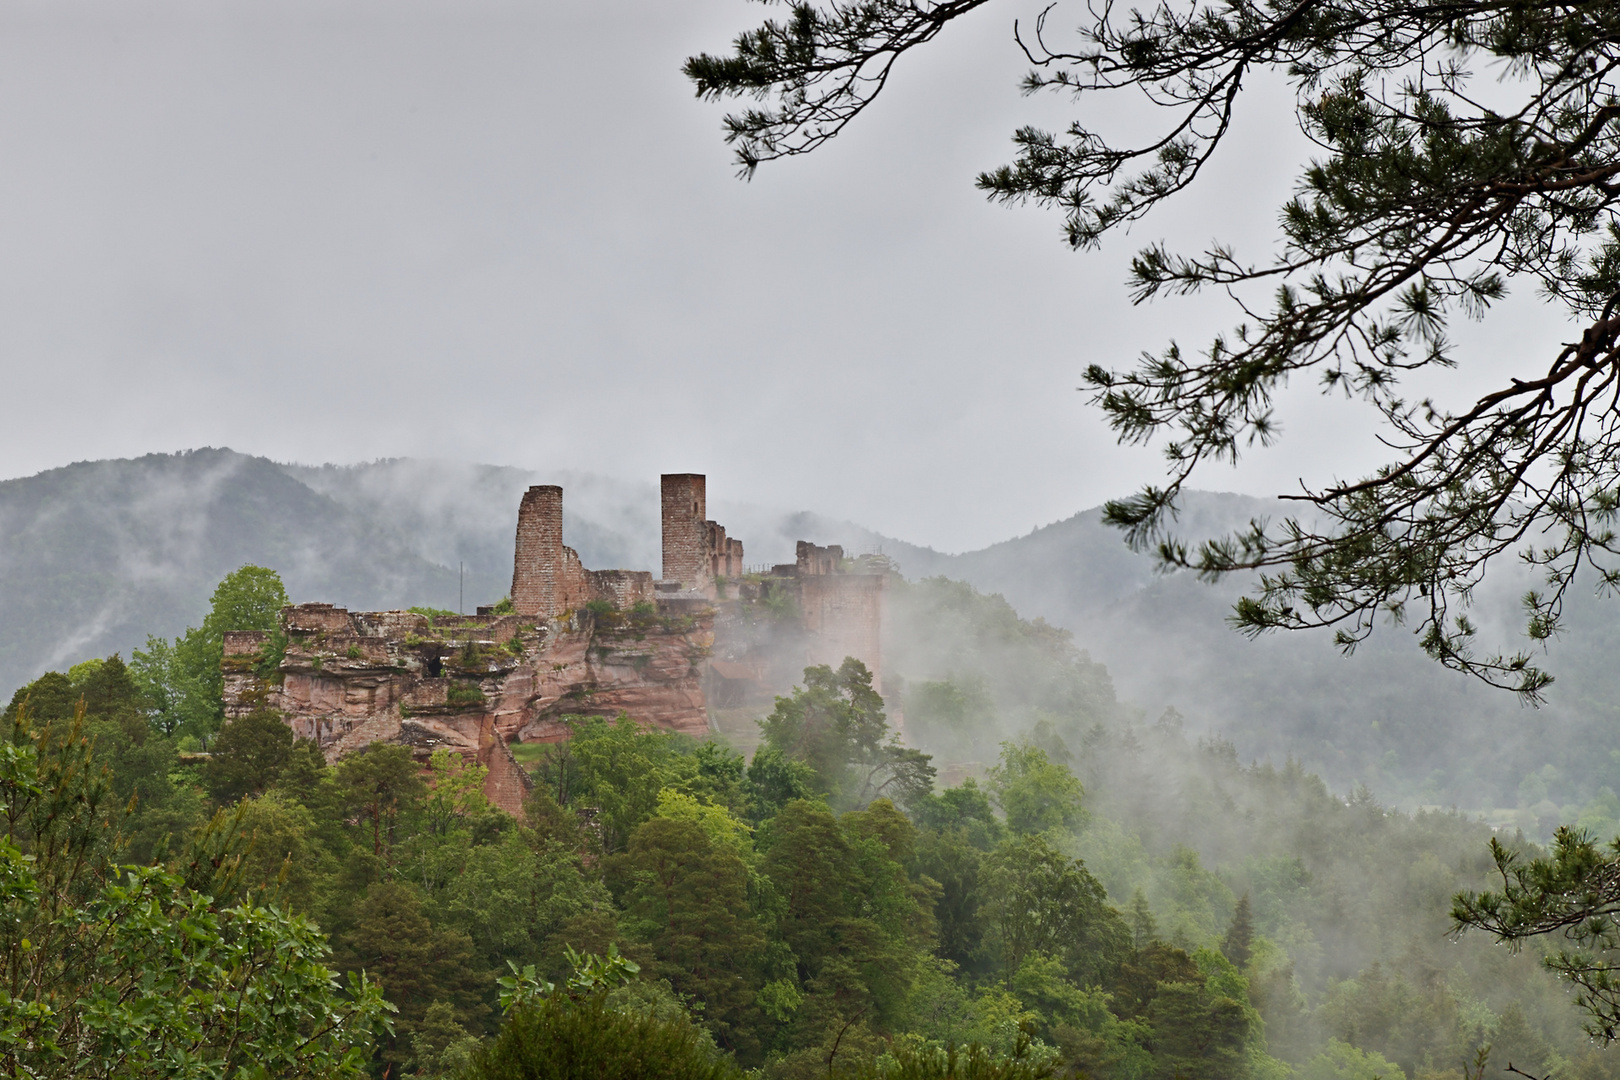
<point>472,684</point>
<point>571,642</point>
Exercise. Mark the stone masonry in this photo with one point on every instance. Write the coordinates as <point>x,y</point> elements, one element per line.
<point>547,576</point>
<point>686,540</point>
<point>574,642</point>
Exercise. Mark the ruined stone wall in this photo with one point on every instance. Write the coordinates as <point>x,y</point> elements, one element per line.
<point>811,560</point>
<point>843,616</point>
<point>538,573</point>
<point>683,511</point>
<point>624,589</point>
<point>548,578</point>
<point>575,588</point>
<point>724,553</point>
<point>714,548</point>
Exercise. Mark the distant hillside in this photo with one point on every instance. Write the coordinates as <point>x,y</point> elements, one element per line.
<point>1387,716</point>
<point>95,556</point>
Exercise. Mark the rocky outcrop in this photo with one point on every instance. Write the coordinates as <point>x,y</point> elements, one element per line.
<point>471,684</point>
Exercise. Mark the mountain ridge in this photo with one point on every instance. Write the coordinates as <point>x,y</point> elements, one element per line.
<point>96,555</point>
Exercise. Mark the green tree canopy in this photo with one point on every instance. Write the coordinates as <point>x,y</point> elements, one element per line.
<point>1037,901</point>
<point>248,755</point>
<point>1035,792</point>
<point>116,971</point>
<point>835,724</point>
<point>688,898</point>
<point>1460,147</point>
<point>181,680</point>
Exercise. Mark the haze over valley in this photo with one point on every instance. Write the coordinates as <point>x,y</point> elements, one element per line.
<point>101,554</point>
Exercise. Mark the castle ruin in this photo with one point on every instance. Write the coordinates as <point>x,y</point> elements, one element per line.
<point>667,652</point>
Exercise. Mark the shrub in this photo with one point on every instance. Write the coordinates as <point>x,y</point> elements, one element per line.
<point>568,1038</point>
<point>465,693</point>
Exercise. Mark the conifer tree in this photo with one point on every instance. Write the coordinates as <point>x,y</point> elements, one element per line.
<point>1144,928</point>
<point>1239,941</point>
<point>1461,148</point>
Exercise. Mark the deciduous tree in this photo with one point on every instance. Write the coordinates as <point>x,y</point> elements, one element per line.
<point>835,724</point>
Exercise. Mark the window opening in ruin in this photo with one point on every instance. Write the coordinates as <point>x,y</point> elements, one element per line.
<point>435,666</point>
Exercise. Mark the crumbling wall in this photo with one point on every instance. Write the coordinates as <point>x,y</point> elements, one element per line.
<point>548,579</point>
<point>624,589</point>
<point>813,561</point>
<point>843,615</point>
<point>724,553</point>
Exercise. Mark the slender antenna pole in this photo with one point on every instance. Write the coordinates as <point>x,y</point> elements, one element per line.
<point>461,590</point>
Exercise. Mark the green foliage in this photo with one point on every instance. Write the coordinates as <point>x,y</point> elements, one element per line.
<point>120,971</point>
<point>956,714</point>
<point>777,780</point>
<point>1007,673</point>
<point>379,786</point>
<point>1571,893</point>
<point>1238,944</point>
<point>181,681</point>
<point>835,724</point>
<point>143,765</point>
<point>465,693</point>
<point>417,964</point>
<point>971,1062</point>
<point>1034,792</point>
<point>617,768</point>
<point>248,756</point>
<point>1040,902</point>
<point>563,1037</point>
<point>1341,1061</point>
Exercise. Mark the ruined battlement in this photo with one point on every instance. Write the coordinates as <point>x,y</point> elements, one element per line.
<point>575,642</point>
<point>548,578</point>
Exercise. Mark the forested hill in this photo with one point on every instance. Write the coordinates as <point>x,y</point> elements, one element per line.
<point>1387,716</point>
<point>95,556</point>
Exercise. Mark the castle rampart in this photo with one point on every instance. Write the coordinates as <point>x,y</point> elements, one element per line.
<point>578,642</point>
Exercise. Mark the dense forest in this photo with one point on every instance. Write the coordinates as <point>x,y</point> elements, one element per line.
<point>1039,880</point>
<point>102,553</point>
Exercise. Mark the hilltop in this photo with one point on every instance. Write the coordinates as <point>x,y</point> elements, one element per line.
<point>96,555</point>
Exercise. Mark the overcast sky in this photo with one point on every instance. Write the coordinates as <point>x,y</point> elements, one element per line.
<point>507,232</point>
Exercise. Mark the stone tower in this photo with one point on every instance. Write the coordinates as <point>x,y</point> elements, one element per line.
<point>686,548</point>
<point>537,566</point>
